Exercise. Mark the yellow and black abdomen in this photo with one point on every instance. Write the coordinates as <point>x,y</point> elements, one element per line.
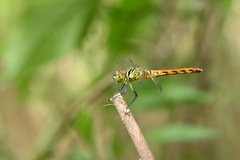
<point>158,73</point>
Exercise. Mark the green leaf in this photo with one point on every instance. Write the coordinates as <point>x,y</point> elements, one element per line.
<point>180,133</point>
<point>44,33</point>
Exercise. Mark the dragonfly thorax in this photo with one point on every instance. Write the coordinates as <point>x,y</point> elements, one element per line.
<point>134,73</point>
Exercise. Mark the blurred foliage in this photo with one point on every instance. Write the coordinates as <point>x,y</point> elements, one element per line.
<point>176,93</point>
<point>44,33</point>
<point>59,56</point>
<point>129,21</point>
<point>76,154</point>
<point>83,124</point>
<point>180,133</point>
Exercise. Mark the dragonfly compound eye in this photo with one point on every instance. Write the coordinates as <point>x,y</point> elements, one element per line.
<point>115,74</point>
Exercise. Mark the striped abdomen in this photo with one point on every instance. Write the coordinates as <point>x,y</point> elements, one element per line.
<point>158,73</point>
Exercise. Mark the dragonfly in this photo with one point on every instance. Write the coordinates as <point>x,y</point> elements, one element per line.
<point>133,72</point>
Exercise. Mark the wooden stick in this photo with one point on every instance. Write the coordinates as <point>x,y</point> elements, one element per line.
<point>132,127</point>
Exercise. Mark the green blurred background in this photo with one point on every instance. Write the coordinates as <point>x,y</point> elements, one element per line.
<point>57,60</point>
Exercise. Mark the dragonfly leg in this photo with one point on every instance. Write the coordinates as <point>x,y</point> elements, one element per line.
<point>135,94</point>
<point>120,88</point>
<point>125,90</point>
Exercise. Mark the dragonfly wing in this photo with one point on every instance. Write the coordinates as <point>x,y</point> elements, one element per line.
<point>134,65</point>
<point>155,80</point>
<point>123,63</point>
<point>146,83</point>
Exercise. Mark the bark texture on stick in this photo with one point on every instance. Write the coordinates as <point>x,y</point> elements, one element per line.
<point>132,127</point>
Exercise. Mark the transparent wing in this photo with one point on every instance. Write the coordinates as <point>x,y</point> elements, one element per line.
<point>150,83</point>
<point>126,64</point>
<point>146,83</point>
<point>155,80</point>
<point>134,65</point>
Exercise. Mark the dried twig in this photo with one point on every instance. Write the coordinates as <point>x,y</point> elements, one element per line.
<point>132,127</point>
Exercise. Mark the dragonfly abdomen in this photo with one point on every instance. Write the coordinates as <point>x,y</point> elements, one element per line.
<point>158,73</point>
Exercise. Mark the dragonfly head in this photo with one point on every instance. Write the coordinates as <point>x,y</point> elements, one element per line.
<point>118,76</point>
